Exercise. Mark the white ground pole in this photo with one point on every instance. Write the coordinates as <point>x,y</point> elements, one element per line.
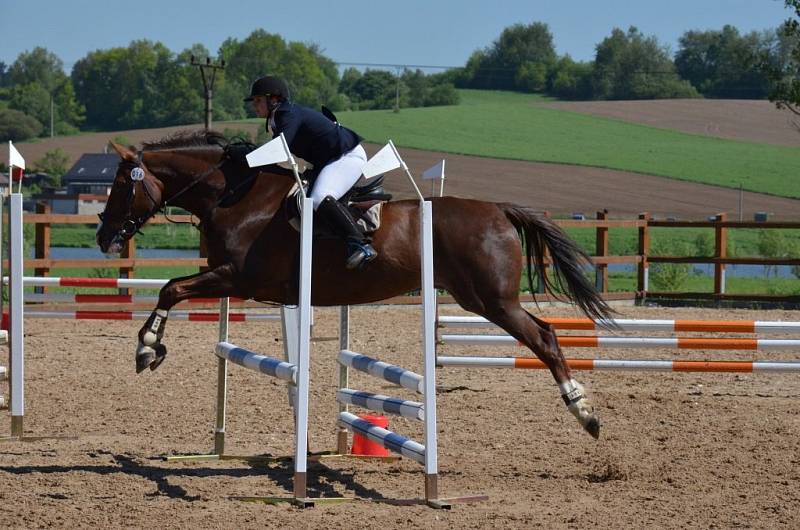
<point>16,327</point>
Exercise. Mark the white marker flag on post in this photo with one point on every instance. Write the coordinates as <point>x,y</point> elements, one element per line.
<point>14,158</point>
<point>384,160</point>
<point>435,172</point>
<point>271,152</point>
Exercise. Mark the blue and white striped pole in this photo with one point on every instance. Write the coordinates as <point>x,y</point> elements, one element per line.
<point>388,372</point>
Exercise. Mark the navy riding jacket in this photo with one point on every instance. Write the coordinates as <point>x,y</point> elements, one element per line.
<point>312,136</point>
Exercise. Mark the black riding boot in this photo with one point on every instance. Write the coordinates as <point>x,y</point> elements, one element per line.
<point>336,215</point>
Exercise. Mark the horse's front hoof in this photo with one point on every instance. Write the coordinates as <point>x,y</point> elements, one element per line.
<point>160,355</point>
<point>145,356</point>
<point>592,426</point>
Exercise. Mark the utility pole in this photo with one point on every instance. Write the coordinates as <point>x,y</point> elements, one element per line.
<point>397,91</point>
<point>208,72</point>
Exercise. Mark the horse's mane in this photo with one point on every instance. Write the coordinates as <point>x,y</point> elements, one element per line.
<point>187,139</point>
<point>235,149</point>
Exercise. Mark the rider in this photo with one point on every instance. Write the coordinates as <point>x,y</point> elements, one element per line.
<point>335,152</point>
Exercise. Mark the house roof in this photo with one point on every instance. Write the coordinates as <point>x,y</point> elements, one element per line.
<point>95,168</point>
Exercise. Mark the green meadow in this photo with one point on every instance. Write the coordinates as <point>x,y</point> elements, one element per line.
<point>520,127</point>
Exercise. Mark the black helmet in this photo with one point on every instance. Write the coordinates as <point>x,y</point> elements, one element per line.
<point>268,86</point>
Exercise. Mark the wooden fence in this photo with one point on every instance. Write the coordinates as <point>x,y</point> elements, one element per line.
<point>128,263</point>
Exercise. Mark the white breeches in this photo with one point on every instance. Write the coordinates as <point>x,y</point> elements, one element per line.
<point>338,177</point>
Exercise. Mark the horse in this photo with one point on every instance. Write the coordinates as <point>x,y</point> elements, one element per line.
<point>253,250</point>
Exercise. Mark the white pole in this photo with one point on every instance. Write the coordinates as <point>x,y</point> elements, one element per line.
<point>408,173</point>
<point>16,328</point>
<point>2,249</point>
<point>301,410</point>
<point>290,325</point>
<point>344,374</point>
<point>222,380</point>
<point>293,162</point>
<point>429,349</point>
<point>441,181</point>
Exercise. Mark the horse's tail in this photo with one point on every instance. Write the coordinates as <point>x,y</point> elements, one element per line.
<point>538,233</point>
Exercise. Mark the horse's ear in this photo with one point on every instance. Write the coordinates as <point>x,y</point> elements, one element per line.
<point>124,152</point>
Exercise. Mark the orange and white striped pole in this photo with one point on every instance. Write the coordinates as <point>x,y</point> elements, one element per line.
<point>528,363</point>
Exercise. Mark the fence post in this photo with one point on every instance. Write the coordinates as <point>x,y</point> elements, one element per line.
<point>541,284</point>
<point>721,251</point>
<point>42,244</point>
<point>203,251</point>
<point>601,249</point>
<point>128,251</point>
<point>643,276</point>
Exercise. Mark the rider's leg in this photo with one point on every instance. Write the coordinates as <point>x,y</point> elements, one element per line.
<point>333,182</point>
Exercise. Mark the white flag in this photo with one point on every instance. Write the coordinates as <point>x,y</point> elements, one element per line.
<point>435,172</point>
<point>383,161</point>
<point>271,152</point>
<point>14,158</point>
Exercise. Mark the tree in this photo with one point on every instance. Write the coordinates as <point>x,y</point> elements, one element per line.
<point>519,59</point>
<point>376,90</point>
<point>785,73</point>
<point>313,79</point>
<point>38,66</point>
<point>55,163</point>
<point>632,66</point>
<point>32,99</point>
<point>143,85</point>
<point>571,80</point>
<point>35,78</point>
<point>5,77</point>
<point>17,126</point>
<point>725,63</point>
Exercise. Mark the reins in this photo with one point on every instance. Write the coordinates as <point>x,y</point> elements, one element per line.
<point>132,225</point>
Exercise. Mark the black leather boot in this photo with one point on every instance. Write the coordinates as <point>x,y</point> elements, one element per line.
<point>337,216</point>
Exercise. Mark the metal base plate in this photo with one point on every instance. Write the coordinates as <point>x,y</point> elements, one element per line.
<point>35,438</point>
<point>300,503</point>
<point>264,459</point>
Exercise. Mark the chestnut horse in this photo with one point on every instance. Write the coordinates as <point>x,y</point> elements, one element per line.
<point>253,251</point>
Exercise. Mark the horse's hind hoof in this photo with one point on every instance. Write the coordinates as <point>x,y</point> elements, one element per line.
<point>160,355</point>
<point>593,427</point>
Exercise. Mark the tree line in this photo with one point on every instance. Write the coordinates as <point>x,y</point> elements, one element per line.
<point>630,65</point>
<point>146,85</point>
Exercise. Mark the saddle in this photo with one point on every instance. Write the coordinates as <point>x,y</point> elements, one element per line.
<point>364,203</point>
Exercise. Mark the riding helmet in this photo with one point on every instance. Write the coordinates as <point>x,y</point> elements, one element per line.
<point>268,86</point>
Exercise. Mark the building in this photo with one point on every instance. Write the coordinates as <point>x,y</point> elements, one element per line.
<point>86,185</point>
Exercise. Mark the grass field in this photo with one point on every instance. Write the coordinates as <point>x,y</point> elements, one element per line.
<point>515,126</point>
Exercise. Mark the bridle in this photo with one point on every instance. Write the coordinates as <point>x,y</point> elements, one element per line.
<point>132,224</point>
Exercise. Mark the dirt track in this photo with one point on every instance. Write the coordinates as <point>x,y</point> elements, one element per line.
<point>735,119</point>
<point>676,451</point>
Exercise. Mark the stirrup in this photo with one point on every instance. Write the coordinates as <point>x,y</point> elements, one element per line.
<point>360,255</point>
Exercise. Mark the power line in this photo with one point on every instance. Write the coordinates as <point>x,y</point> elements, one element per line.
<point>391,65</point>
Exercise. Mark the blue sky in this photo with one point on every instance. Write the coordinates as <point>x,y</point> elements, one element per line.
<point>411,32</point>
